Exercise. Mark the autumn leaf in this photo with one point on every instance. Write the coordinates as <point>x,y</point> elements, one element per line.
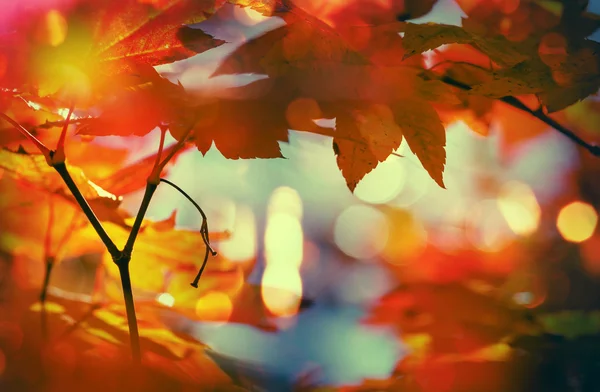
<point>151,102</point>
<point>419,38</point>
<point>95,44</point>
<point>367,136</point>
<point>332,74</point>
<point>425,135</point>
<point>130,178</point>
<point>162,251</point>
<point>36,228</point>
<point>33,169</point>
<point>92,341</point>
<point>453,319</point>
<point>244,128</point>
<point>30,113</point>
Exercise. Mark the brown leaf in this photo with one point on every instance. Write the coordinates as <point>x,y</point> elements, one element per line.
<point>367,136</point>
<point>419,38</point>
<point>424,133</point>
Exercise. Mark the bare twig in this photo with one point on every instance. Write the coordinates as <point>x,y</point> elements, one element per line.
<point>539,114</point>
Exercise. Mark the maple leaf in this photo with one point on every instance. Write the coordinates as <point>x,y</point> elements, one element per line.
<point>315,63</point>
<point>30,113</point>
<point>149,103</point>
<point>373,135</point>
<point>36,229</point>
<point>242,128</point>
<point>105,39</point>
<point>33,169</point>
<point>451,323</point>
<point>353,12</point>
<point>425,135</point>
<point>419,38</point>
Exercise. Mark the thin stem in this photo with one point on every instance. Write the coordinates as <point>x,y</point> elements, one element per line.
<point>134,335</point>
<point>47,274</point>
<point>45,150</point>
<point>204,227</point>
<point>539,114</point>
<point>61,168</point>
<point>203,231</point>
<point>139,218</point>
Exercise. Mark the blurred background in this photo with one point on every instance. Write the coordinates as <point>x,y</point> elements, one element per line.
<point>520,202</point>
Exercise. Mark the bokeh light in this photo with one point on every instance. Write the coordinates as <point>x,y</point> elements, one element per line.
<point>577,221</point>
<point>519,207</point>
<point>214,306</point>
<point>486,227</point>
<point>361,231</point>
<point>407,237</point>
<point>241,246</point>
<point>165,299</point>
<point>284,251</point>
<point>281,290</point>
<point>284,240</point>
<point>384,183</point>
<point>285,200</point>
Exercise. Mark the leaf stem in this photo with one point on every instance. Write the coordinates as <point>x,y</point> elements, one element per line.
<point>134,335</point>
<point>61,168</point>
<point>539,114</point>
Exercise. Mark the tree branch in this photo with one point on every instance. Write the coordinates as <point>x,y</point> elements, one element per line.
<point>539,114</point>
<point>139,218</point>
<point>61,168</point>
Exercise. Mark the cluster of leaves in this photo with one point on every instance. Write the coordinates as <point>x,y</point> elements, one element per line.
<point>326,62</point>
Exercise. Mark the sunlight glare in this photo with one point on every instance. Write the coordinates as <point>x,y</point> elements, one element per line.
<point>577,221</point>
